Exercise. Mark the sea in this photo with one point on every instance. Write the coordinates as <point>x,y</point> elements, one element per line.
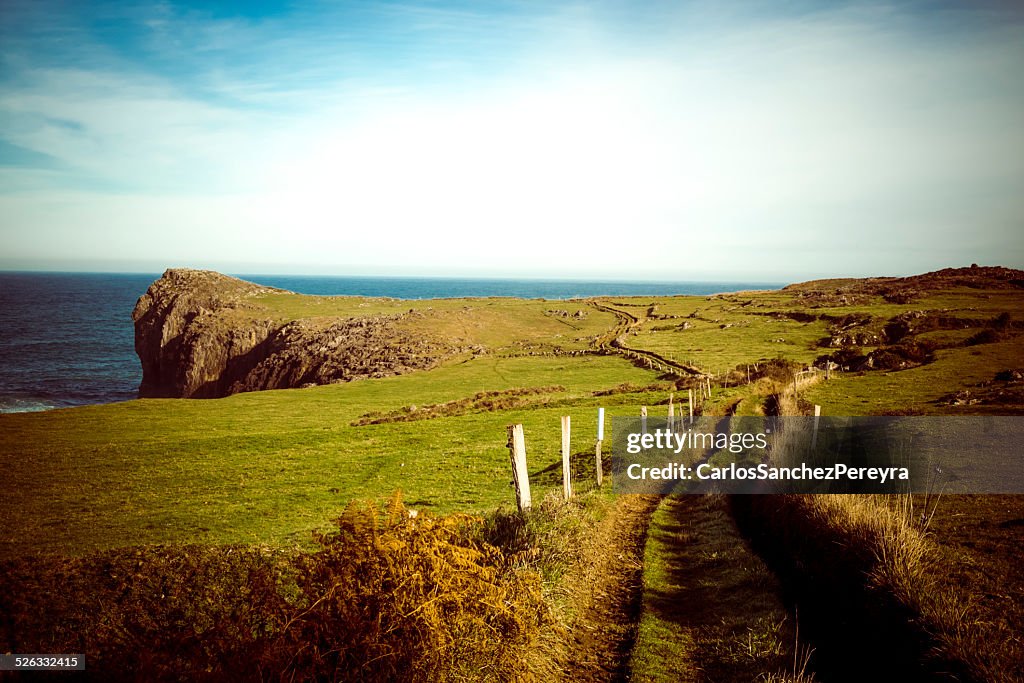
<point>67,339</point>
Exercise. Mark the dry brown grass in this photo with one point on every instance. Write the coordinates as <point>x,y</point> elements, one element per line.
<point>875,547</point>
<point>910,568</point>
<point>556,539</point>
<point>589,552</point>
<point>386,597</point>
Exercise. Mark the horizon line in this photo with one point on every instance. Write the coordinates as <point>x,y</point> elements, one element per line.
<point>486,278</point>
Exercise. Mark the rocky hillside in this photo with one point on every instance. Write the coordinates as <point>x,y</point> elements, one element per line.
<point>842,292</point>
<point>200,334</point>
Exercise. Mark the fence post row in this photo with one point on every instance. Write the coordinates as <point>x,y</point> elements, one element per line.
<point>517,456</point>
<point>520,476</point>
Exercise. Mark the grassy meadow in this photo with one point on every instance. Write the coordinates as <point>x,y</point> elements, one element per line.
<point>272,466</point>
<point>272,469</point>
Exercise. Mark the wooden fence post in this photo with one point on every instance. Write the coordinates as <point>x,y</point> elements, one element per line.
<point>690,404</point>
<point>817,416</point>
<point>597,447</point>
<point>566,459</point>
<point>671,414</point>
<point>520,476</point>
<point>643,419</point>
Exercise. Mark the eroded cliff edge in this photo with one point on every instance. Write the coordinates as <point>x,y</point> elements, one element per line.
<point>201,334</point>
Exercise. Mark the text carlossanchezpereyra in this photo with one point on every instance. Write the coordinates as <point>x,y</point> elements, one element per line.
<point>764,472</point>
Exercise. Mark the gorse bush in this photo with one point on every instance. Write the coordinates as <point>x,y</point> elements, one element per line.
<point>384,597</point>
<point>391,597</point>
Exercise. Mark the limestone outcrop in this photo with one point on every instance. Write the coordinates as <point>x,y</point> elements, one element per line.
<point>201,334</point>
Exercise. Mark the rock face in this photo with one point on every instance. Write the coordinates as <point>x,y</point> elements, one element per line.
<point>200,334</point>
<point>302,353</point>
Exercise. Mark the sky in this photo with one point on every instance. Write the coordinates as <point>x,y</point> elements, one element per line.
<point>756,141</point>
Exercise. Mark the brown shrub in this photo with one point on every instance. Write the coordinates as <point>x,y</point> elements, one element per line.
<point>386,597</point>
<point>394,598</point>
<point>986,336</point>
<point>483,401</point>
<point>630,388</point>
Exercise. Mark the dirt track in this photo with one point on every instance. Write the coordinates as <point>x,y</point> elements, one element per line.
<point>603,633</point>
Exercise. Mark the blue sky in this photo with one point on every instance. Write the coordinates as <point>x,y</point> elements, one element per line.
<point>658,140</point>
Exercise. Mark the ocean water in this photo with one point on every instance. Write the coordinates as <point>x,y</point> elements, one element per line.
<point>437,288</point>
<point>67,339</point>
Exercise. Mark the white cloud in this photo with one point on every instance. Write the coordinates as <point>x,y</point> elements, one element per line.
<point>131,130</point>
<point>792,145</point>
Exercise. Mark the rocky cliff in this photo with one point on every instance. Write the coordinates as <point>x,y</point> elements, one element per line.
<point>200,334</point>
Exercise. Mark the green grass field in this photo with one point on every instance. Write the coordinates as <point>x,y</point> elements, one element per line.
<point>271,466</point>
<point>921,388</point>
<point>733,329</point>
<point>496,322</point>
